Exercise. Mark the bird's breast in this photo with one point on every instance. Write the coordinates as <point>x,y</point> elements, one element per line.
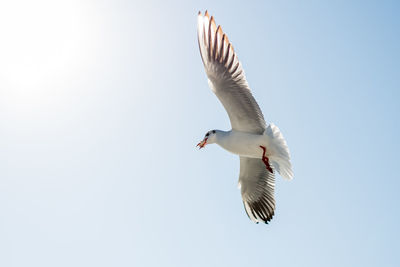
<point>243,144</point>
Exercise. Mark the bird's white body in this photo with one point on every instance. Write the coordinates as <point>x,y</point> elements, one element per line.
<point>248,145</point>
<point>243,144</point>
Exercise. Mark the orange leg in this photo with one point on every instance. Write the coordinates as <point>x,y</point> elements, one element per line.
<point>266,160</point>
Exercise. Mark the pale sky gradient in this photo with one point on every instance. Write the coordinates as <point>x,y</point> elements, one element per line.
<point>103,102</point>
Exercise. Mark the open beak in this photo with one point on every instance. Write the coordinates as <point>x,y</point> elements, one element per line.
<point>202,143</point>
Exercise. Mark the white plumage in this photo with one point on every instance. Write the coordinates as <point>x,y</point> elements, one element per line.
<point>262,149</point>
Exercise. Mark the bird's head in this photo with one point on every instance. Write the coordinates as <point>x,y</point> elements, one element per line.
<point>209,138</point>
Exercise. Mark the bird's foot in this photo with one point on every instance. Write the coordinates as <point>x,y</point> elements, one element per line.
<point>266,160</point>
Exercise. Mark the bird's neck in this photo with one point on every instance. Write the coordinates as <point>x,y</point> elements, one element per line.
<point>221,137</point>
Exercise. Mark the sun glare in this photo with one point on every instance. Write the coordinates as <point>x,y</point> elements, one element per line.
<point>41,41</point>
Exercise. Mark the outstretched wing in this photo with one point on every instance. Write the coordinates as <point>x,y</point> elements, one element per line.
<point>257,188</point>
<point>226,77</point>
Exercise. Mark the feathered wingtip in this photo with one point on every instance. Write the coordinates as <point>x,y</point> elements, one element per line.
<point>215,47</point>
<point>257,212</point>
<point>205,13</point>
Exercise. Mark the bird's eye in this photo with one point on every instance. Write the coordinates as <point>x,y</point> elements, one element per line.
<point>207,134</point>
<point>214,131</point>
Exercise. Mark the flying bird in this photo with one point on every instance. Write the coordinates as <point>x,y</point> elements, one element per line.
<point>262,149</point>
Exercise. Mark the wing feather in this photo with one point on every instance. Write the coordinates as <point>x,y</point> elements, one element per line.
<point>227,78</point>
<point>257,187</point>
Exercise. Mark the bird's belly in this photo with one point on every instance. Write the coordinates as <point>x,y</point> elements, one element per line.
<point>250,151</point>
<point>246,147</point>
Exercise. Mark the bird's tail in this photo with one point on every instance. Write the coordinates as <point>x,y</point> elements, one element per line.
<point>280,156</point>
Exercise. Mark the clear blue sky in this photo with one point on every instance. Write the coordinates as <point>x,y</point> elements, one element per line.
<point>103,102</point>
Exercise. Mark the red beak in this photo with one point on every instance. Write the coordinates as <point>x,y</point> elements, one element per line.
<point>202,143</point>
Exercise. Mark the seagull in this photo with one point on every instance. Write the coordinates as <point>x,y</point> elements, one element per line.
<point>261,147</point>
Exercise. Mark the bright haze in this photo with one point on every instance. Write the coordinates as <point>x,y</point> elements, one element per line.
<point>103,102</point>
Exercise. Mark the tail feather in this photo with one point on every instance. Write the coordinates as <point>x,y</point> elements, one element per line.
<point>280,155</point>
